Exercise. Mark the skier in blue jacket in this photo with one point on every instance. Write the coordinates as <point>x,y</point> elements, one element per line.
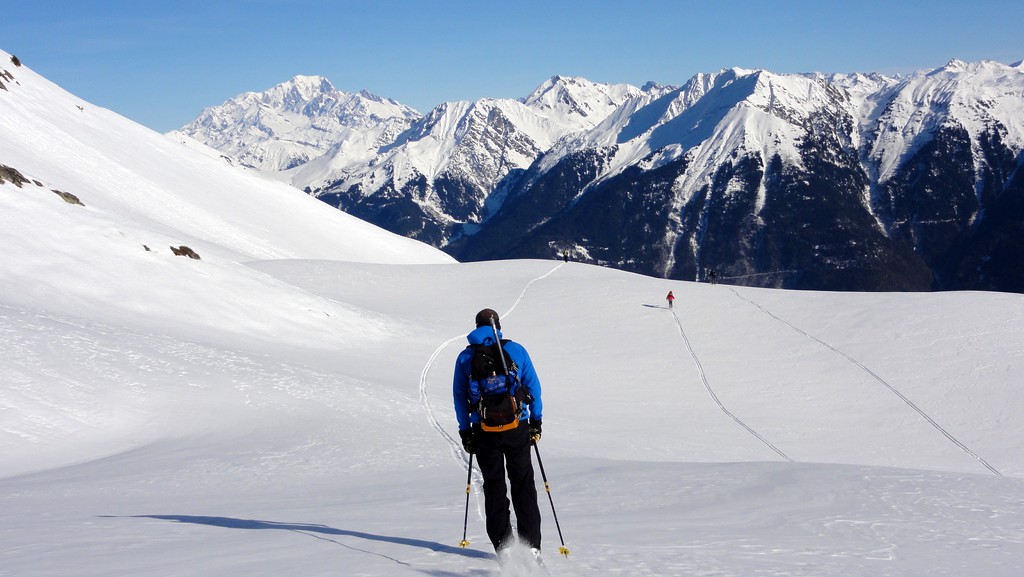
<point>504,452</point>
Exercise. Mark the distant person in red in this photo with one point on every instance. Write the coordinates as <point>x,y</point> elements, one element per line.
<point>670,298</point>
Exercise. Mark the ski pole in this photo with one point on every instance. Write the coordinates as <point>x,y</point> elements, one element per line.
<point>465,521</point>
<point>563,549</point>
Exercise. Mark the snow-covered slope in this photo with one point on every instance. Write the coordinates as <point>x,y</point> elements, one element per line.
<point>791,432</point>
<point>292,414</point>
<point>141,194</point>
<point>53,137</point>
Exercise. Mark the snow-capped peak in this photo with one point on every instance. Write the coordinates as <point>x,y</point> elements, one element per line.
<point>955,64</point>
<point>978,96</point>
<point>299,91</point>
<point>578,102</point>
<point>297,121</point>
<point>958,67</point>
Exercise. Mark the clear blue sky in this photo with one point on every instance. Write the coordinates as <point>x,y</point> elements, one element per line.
<point>161,62</point>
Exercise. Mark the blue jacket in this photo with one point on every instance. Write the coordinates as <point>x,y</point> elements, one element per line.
<point>465,412</point>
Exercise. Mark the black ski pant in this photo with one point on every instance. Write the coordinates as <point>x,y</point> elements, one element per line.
<point>496,453</point>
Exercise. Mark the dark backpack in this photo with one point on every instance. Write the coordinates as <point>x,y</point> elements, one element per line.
<point>497,395</point>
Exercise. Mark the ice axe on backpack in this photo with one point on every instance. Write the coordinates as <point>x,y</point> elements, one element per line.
<point>501,352</point>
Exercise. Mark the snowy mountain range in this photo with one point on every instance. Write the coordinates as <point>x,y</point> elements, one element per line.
<point>444,171</point>
<point>281,405</point>
<point>853,181</point>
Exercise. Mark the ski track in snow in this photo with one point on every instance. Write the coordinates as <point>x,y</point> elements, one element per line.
<point>714,397</point>
<point>875,376</point>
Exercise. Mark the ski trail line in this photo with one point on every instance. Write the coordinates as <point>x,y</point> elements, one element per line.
<point>880,380</point>
<point>527,287</point>
<point>714,397</point>
<point>456,444</point>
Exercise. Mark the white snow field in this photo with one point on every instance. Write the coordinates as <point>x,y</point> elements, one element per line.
<point>282,406</point>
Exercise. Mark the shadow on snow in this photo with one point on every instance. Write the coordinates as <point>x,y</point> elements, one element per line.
<point>316,531</point>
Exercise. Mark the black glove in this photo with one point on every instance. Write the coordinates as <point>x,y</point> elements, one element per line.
<point>535,430</point>
<point>467,439</point>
